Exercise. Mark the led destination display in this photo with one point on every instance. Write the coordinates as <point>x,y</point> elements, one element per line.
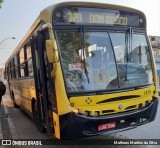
<point>97,16</point>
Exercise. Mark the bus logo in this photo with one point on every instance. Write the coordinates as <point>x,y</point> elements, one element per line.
<point>120,106</point>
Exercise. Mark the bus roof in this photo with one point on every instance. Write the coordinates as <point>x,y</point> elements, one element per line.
<point>46,15</point>
<point>51,8</point>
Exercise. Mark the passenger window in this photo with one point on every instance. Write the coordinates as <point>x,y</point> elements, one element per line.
<point>21,54</point>
<point>30,67</point>
<point>22,70</point>
<point>28,50</point>
<point>29,60</point>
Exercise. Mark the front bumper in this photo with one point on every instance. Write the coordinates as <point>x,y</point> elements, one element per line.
<point>76,126</point>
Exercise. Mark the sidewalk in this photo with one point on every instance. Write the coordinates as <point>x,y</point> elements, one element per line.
<point>6,102</point>
<point>1,134</point>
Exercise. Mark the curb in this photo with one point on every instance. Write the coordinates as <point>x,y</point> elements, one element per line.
<point>1,133</point>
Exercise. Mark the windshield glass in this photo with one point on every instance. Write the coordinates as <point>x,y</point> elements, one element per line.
<point>134,66</point>
<point>94,61</point>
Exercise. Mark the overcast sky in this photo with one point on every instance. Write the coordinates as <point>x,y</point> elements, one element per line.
<point>16,17</point>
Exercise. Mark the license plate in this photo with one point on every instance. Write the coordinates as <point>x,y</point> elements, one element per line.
<point>107,126</point>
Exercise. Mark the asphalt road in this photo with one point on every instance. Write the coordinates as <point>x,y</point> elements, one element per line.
<point>147,131</point>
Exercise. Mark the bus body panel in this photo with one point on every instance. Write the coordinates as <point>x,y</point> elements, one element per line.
<point>154,71</point>
<point>129,100</point>
<point>62,100</point>
<point>56,125</point>
<point>23,91</point>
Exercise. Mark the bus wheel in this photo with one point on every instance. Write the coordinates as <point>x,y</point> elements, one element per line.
<point>41,128</point>
<point>14,102</point>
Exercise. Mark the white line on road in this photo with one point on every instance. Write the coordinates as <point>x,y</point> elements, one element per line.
<point>10,122</point>
<point>1,134</point>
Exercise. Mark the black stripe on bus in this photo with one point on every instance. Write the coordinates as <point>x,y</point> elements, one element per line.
<point>118,99</point>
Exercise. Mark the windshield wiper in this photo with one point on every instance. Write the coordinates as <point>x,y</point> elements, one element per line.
<point>140,54</point>
<point>128,41</point>
<point>83,52</point>
<point>129,34</point>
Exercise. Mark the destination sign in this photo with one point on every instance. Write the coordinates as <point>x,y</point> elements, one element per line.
<point>97,16</point>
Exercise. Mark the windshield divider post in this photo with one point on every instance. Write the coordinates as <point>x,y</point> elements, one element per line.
<point>83,52</point>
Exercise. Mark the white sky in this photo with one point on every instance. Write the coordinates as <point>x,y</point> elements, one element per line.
<point>16,17</point>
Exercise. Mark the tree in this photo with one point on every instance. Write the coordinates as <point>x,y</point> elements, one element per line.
<point>1,1</point>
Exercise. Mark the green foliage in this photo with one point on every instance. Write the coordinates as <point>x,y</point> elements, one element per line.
<point>1,1</point>
<point>71,44</point>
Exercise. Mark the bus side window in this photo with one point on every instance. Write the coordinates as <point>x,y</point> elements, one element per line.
<point>30,67</point>
<point>9,71</point>
<point>12,69</point>
<point>22,66</point>
<point>29,60</point>
<point>16,66</point>
<point>22,70</point>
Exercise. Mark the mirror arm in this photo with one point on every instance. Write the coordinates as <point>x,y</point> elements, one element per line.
<point>49,27</point>
<point>51,47</point>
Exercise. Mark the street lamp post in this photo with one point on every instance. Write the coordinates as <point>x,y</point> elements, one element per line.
<point>7,39</point>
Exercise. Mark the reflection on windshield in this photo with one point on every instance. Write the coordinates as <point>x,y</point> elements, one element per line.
<point>97,58</point>
<point>103,71</point>
<point>137,71</point>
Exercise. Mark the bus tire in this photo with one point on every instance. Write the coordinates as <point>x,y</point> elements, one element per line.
<point>39,125</point>
<point>14,102</point>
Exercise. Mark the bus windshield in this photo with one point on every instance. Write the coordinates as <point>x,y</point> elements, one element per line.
<point>98,61</point>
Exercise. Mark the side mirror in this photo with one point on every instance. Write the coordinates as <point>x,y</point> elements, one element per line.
<point>51,47</point>
<point>51,50</point>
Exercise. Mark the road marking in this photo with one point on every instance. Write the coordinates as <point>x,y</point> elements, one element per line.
<point>1,134</point>
<point>10,122</point>
<point>6,109</point>
<point>12,128</point>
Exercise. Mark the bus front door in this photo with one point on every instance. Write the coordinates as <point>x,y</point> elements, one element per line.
<point>42,107</point>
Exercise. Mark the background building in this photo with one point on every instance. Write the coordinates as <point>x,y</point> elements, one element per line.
<point>2,73</point>
<point>155,42</point>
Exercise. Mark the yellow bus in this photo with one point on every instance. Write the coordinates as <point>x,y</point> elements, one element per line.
<point>85,69</point>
